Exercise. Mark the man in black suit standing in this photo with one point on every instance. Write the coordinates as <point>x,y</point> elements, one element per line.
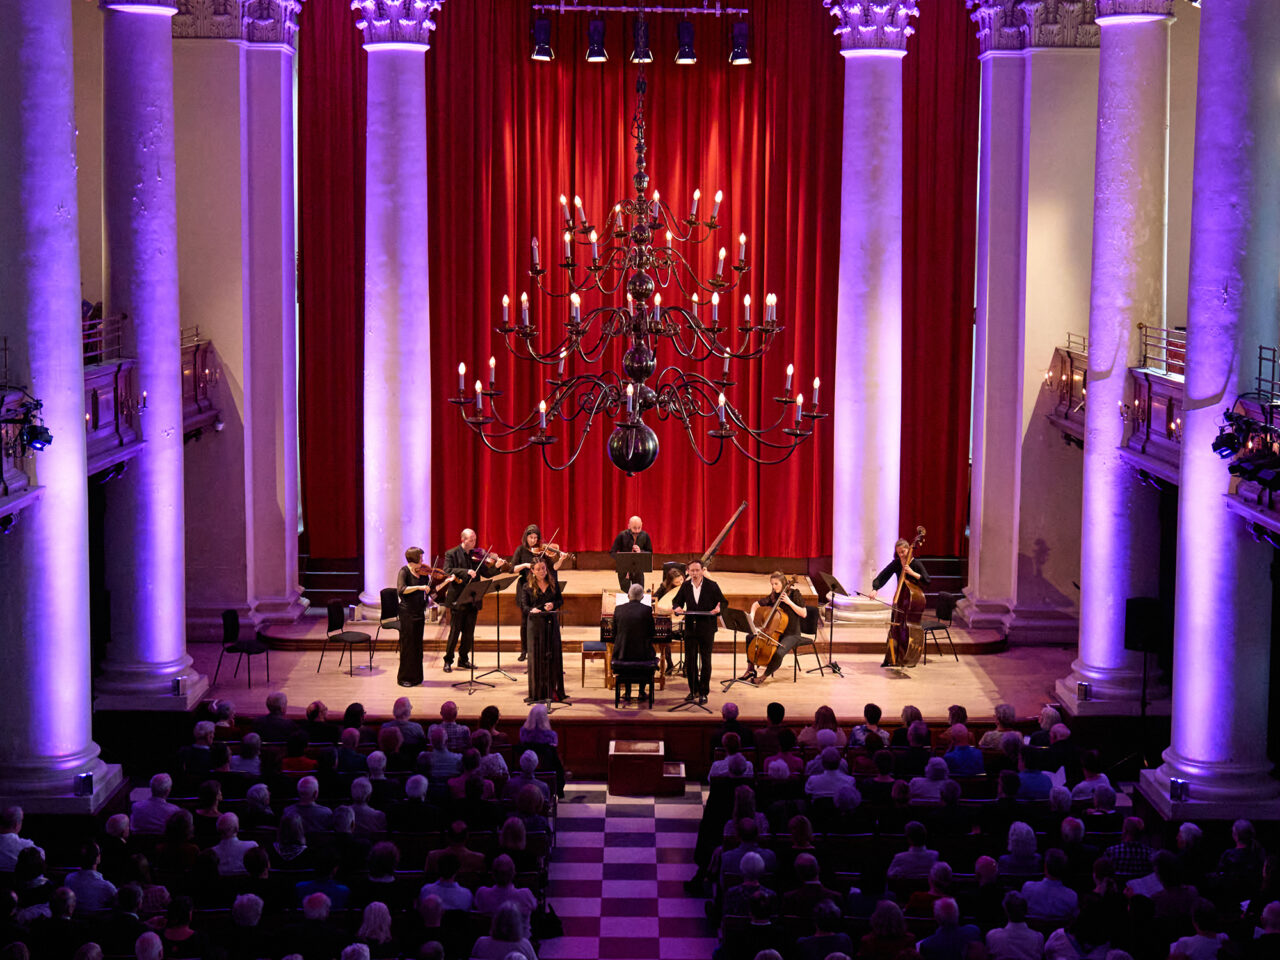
<point>462,622</point>
<point>634,539</point>
<point>702,600</point>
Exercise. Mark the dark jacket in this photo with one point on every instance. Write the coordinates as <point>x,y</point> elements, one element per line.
<point>633,632</point>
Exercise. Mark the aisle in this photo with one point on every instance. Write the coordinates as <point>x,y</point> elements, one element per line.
<point>616,878</point>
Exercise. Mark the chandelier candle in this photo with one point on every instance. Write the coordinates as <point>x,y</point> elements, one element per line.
<point>693,212</point>
<point>799,407</point>
<point>742,248</point>
<point>479,399</point>
<point>631,397</point>
<point>720,264</point>
<point>575,305</point>
<point>524,309</point>
<point>816,384</point>
<point>568,246</point>
<point>595,253</point>
<point>721,410</point>
<point>462,380</point>
<point>493,370</point>
<point>564,208</point>
<point>506,300</point>
<point>715,309</point>
<point>746,310</point>
<point>657,308</point>
<point>534,250</point>
<point>582,214</point>
<point>715,210</point>
<point>694,302</point>
<point>791,369</point>
<point>542,415</point>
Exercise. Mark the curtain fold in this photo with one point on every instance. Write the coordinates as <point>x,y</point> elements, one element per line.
<point>506,136</point>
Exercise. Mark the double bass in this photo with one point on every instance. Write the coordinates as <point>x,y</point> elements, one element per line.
<point>906,633</point>
<point>770,627</point>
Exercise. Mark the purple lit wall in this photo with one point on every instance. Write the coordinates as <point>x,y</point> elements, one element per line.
<point>145,507</point>
<point>1223,626</point>
<point>397,352</point>
<point>45,683</point>
<point>1119,515</point>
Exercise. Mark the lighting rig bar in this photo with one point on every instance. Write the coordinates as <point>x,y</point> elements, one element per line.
<point>707,8</point>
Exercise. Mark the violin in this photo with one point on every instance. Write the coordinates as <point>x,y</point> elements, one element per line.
<point>906,633</point>
<point>551,552</point>
<point>483,558</point>
<point>770,627</point>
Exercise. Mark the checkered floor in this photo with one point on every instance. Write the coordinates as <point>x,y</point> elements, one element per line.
<point>617,878</point>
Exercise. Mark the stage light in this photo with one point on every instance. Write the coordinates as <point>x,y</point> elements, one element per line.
<point>36,436</point>
<point>641,53</point>
<point>1227,443</point>
<point>596,53</point>
<point>1250,468</point>
<point>542,39</point>
<point>684,36</point>
<point>740,56</point>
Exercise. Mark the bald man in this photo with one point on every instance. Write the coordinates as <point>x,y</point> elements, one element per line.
<point>631,540</point>
<point>462,623</point>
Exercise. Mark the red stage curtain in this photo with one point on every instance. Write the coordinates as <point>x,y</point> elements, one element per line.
<point>506,137</point>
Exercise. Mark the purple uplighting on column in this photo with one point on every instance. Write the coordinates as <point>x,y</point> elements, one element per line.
<point>868,383</point>
<point>1222,633</point>
<point>45,703</point>
<point>145,507</point>
<point>397,354</point>
<point>1119,523</point>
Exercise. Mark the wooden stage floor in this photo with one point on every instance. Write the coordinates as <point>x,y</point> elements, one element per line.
<point>1022,676</point>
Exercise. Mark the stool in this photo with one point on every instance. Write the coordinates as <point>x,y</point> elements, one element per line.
<point>641,674</point>
<point>594,650</point>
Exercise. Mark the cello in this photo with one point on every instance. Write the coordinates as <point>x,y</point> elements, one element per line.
<point>906,633</point>
<point>764,643</point>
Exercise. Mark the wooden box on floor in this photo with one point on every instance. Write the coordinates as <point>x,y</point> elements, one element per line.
<point>637,769</point>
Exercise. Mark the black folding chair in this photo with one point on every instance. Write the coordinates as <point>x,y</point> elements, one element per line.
<point>808,638</point>
<point>389,615</point>
<point>940,622</point>
<point>348,638</point>
<point>232,643</point>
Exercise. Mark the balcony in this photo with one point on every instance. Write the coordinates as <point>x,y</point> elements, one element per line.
<point>1067,378</point>
<point>1250,493</point>
<point>111,401</point>
<point>1154,407</point>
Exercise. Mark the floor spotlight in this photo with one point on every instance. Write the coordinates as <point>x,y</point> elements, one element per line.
<point>641,53</point>
<point>542,39</point>
<point>596,53</point>
<point>740,56</point>
<point>684,36</point>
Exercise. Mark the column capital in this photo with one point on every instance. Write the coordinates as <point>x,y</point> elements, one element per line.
<point>873,26</point>
<point>254,21</point>
<point>1060,23</point>
<point>1001,24</point>
<point>1142,9</point>
<point>407,22</point>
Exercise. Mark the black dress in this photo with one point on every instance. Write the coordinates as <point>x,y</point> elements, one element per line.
<point>546,664</point>
<point>523,554</point>
<point>413,615</point>
<point>791,636</point>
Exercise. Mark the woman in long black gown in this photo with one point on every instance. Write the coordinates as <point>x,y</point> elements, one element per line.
<point>539,598</point>
<point>413,587</point>
<point>522,559</point>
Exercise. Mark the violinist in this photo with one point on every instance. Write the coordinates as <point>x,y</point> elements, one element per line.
<point>915,571</point>
<point>464,563</point>
<point>793,605</point>
<point>531,548</point>
<point>414,588</point>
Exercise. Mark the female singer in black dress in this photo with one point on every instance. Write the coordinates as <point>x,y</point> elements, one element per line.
<point>521,560</point>
<point>413,587</point>
<point>793,606</point>
<point>539,598</point>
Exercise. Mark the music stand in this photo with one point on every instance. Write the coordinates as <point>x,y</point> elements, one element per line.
<point>633,565</point>
<point>496,587</point>
<point>737,621</point>
<point>472,592</point>
<point>834,589</point>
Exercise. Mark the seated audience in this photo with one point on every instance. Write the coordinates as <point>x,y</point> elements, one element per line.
<point>439,762</point>
<point>58,935</point>
<point>737,899</point>
<point>452,894</point>
<point>911,761</point>
<point>470,771</point>
<point>824,718</point>
<point>828,938</point>
<point>1006,716</point>
<point>274,726</point>
<point>1022,859</point>
<point>180,939</point>
<point>831,780</point>
<point>920,903</point>
<point>748,842</point>
<point>244,939</point>
<point>325,883</point>
<point>315,937</point>
<point>410,730</point>
<point>729,724</point>
<point>1048,717</point>
<point>1131,857</point>
<point>456,846</point>
<point>151,814</point>
<point>527,775</point>
<point>315,816</point>
<point>1033,782</point>
<point>909,715</point>
<point>952,938</point>
<point>825,738</point>
<point>193,759</point>
<point>888,937</point>
<point>375,933</point>
<point>317,726</point>
<point>1208,938</point>
<point>1051,897</point>
<point>458,736</point>
<point>230,849</point>
<point>349,758</point>
<point>204,818</point>
<point>94,893</point>
<point>917,860</point>
<point>257,808</point>
<point>295,758</point>
<point>289,850</point>
<point>1015,940</point>
<point>963,759</point>
<point>1091,766</point>
<point>249,758</point>
<point>492,764</point>
<point>504,890</point>
<point>367,819</point>
<point>870,728</point>
<point>732,744</point>
<point>775,737</point>
<point>928,788</point>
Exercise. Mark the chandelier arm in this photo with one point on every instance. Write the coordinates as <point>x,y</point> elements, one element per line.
<point>765,461</point>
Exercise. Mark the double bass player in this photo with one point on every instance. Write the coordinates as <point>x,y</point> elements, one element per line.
<point>914,571</point>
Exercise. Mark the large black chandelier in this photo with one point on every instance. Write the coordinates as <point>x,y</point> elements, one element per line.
<point>636,253</point>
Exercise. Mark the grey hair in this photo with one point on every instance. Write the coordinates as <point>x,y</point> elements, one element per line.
<point>308,788</point>
<point>344,819</point>
<point>247,910</point>
<point>1005,714</point>
<point>508,923</point>
<point>946,912</point>
<point>277,702</point>
<point>361,789</point>
<point>1022,839</point>
<point>228,825</point>
<point>751,866</point>
<point>356,951</point>
<point>636,591</point>
<point>316,906</point>
<point>936,769</point>
<point>204,728</point>
<point>1072,829</point>
<point>402,708</point>
<point>1190,834</point>
<point>528,761</point>
<point>1048,717</point>
<point>377,762</point>
<point>161,785</point>
<point>416,787</point>
<point>737,765</point>
<point>250,746</point>
<point>260,795</point>
<point>1060,800</point>
<point>149,947</point>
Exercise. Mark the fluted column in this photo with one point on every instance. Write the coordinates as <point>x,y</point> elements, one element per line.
<point>397,353</point>
<point>868,391</point>
<point>45,700</point>
<point>992,589</point>
<point>145,508</point>
<point>1222,627</point>
<point>1120,523</point>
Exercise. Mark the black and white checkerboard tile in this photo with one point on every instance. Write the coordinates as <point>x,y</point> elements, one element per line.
<point>617,878</point>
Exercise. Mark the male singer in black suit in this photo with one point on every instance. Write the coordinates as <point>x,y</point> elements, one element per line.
<point>702,598</point>
<point>462,624</point>
<point>631,540</point>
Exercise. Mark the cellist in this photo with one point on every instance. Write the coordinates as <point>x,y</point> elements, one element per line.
<point>915,571</point>
<point>793,603</point>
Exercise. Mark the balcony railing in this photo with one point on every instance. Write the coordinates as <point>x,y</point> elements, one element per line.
<point>102,339</point>
<point>1163,350</point>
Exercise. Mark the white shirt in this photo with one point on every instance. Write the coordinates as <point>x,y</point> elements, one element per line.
<point>10,846</point>
<point>150,815</point>
<point>230,852</point>
<point>696,588</point>
<point>1084,789</point>
<point>1198,947</point>
<point>1015,941</point>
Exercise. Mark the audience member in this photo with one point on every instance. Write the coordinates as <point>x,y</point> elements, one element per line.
<point>909,715</point>
<point>775,737</point>
<point>1015,940</point>
<point>1006,716</point>
<point>917,860</point>
<point>230,849</point>
<point>94,893</point>
<point>870,728</point>
<point>315,816</point>
<point>952,938</point>
<point>325,883</point>
<point>732,743</point>
<point>317,725</point>
<point>729,724</point>
<point>249,760</point>
<point>493,766</point>
<point>11,844</point>
<point>1131,857</point>
<point>441,764</point>
<point>150,814</point>
<point>489,899</point>
<point>828,938</point>
<point>367,819</point>
<point>1022,859</point>
<point>928,788</point>
<point>458,736</point>
<point>274,726</point>
<point>289,850</point>
<point>1208,938</point>
<point>831,780</point>
<point>469,861</point>
<point>888,937</point>
<point>193,759</point>
<point>489,718</point>
<point>1051,897</point>
<point>963,759</point>
<point>507,937</point>
<point>375,933</point>
<point>295,758</point>
<point>920,903</point>
<point>824,718</point>
<point>1091,765</point>
<point>737,899</point>
<point>452,895</point>
<point>1048,717</point>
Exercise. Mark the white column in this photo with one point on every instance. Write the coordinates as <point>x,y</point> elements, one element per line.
<point>992,589</point>
<point>868,388</point>
<point>1222,631</point>
<point>397,353</point>
<point>45,688</point>
<point>145,507</point>
<point>1119,527</point>
<point>270,320</point>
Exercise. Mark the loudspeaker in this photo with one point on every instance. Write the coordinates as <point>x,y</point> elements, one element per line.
<point>1144,626</point>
